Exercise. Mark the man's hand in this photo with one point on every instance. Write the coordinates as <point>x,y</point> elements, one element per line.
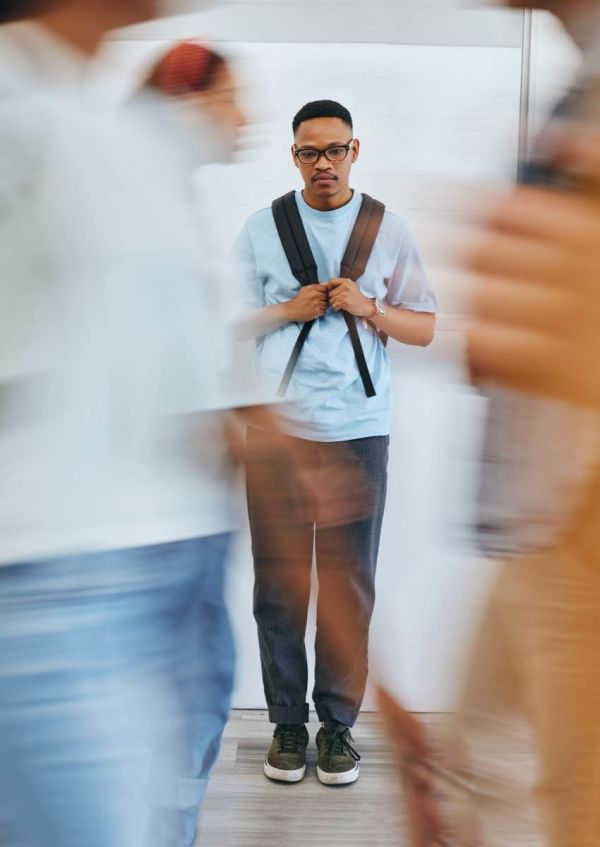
<point>537,301</point>
<point>344,294</point>
<point>537,298</point>
<point>308,304</point>
<point>411,747</point>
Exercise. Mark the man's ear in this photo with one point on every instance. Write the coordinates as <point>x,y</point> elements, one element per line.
<point>294,157</point>
<point>355,149</point>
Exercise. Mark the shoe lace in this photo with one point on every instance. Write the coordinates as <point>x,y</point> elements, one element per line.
<point>289,738</point>
<point>338,743</point>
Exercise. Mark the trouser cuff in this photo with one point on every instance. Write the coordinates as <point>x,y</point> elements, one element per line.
<point>335,712</point>
<point>289,714</point>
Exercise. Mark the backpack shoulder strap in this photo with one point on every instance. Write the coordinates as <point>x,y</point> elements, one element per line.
<point>294,240</point>
<point>363,237</point>
<point>354,263</point>
<point>302,264</point>
<point>304,268</point>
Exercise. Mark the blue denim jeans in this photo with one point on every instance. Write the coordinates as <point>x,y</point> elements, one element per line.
<point>116,672</point>
<point>346,562</point>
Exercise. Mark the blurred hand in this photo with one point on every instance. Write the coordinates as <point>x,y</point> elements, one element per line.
<point>537,299</point>
<point>341,494</point>
<point>410,743</point>
<point>308,304</point>
<point>234,434</point>
<point>345,294</point>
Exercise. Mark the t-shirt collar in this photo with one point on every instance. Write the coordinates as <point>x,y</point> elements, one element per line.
<point>334,214</point>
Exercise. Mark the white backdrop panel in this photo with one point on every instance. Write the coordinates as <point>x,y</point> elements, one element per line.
<point>432,119</point>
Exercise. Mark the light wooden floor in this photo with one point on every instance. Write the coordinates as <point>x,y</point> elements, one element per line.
<point>244,809</point>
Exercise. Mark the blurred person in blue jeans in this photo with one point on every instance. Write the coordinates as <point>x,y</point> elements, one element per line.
<point>116,655</point>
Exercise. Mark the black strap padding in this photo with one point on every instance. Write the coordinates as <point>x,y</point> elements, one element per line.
<point>304,268</point>
<point>359,355</point>
<point>294,239</point>
<point>291,365</point>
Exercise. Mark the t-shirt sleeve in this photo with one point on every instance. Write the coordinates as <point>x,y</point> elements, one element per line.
<point>409,286</point>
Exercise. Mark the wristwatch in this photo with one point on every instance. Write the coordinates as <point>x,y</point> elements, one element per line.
<point>379,307</point>
<point>379,310</point>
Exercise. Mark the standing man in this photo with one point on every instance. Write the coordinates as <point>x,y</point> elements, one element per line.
<point>321,343</point>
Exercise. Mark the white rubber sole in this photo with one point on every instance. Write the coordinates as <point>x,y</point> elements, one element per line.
<point>283,776</point>
<point>345,778</point>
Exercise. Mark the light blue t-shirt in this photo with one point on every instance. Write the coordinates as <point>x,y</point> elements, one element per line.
<point>327,400</point>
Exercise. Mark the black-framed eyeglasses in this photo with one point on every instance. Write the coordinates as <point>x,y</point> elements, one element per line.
<point>335,153</point>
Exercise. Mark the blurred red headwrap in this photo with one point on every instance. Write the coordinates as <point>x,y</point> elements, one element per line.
<point>187,67</point>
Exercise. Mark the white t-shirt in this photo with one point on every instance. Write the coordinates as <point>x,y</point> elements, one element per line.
<point>113,359</point>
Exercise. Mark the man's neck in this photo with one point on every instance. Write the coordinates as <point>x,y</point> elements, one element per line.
<point>327,204</point>
<point>82,24</point>
<point>75,26</point>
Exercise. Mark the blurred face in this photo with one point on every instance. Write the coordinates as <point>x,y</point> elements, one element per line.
<point>328,177</point>
<point>129,12</point>
<point>144,10</point>
<point>220,104</point>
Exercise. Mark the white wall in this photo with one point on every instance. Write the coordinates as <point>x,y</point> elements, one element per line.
<point>429,118</point>
<point>437,116</point>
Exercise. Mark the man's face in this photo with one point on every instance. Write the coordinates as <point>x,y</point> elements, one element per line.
<point>221,102</point>
<point>325,178</point>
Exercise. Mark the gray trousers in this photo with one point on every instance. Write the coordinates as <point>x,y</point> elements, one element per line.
<point>286,533</point>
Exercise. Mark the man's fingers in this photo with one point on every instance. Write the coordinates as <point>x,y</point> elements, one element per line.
<point>549,216</point>
<point>337,282</point>
<point>511,256</point>
<point>577,151</point>
<point>519,358</point>
<point>403,727</point>
<point>522,304</point>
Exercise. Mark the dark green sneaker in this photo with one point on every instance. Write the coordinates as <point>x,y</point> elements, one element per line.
<point>338,759</point>
<point>286,759</point>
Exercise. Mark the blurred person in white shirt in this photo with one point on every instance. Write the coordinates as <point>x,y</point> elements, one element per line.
<point>115,507</point>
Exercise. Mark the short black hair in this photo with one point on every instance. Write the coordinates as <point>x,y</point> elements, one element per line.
<point>322,109</point>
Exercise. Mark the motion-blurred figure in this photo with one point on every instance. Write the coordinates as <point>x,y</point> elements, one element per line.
<point>192,99</point>
<point>203,83</point>
<point>538,652</point>
<point>115,512</point>
<point>327,272</point>
<point>550,348</point>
